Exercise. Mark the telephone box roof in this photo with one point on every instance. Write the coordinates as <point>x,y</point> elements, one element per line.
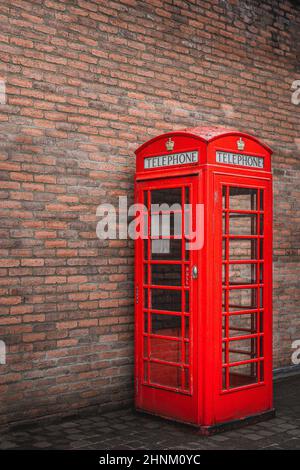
<point>205,133</point>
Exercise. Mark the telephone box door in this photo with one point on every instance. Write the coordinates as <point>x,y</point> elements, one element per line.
<point>243,316</point>
<point>166,299</point>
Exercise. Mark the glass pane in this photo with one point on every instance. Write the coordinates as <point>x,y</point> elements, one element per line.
<point>188,222</point>
<point>187,301</point>
<point>224,191</point>
<point>146,274</point>
<point>187,327</point>
<point>145,198</point>
<point>146,371</point>
<point>146,352</point>
<point>242,350</point>
<point>261,224</point>
<point>164,225</point>
<point>145,322</point>
<point>187,212</point>
<point>261,346</point>
<point>224,299</point>
<point>145,249</point>
<point>160,247</point>
<point>224,323</point>
<point>245,374</point>
<point>242,249</point>
<point>186,195</point>
<point>165,349</point>
<point>224,222</point>
<point>242,198</point>
<point>261,298</point>
<point>261,272</point>
<point>240,325</point>
<point>242,224</point>
<point>224,345</point>
<point>261,248</point>
<point>166,196</point>
<point>145,298</point>
<point>166,325</point>
<point>166,274</point>
<point>164,374</point>
<point>186,379</point>
<point>262,375</point>
<point>261,322</point>
<point>166,249</point>
<point>187,249</point>
<point>142,227</point>
<point>242,299</point>
<point>242,274</point>
<point>187,352</point>
<point>261,200</point>
<point>164,299</point>
<point>224,369</point>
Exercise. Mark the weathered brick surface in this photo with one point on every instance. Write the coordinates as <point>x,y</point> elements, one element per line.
<point>86,83</point>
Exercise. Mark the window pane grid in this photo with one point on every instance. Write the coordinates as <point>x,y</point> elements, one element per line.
<point>242,287</point>
<point>182,287</point>
<point>167,350</point>
<point>258,277</point>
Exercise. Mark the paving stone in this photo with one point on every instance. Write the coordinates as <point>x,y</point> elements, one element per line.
<point>219,438</point>
<point>253,437</point>
<point>264,433</point>
<point>294,432</point>
<point>42,445</point>
<point>127,430</point>
<point>7,445</point>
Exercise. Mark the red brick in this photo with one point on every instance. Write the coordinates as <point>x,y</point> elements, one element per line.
<point>32,337</point>
<point>67,253</point>
<point>55,279</point>
<point>33,262</point>
<point>7,263</point>
<point>13,300</point>
<point>21,309</point>
<point>66,325</point>
<point>64,343</point>
<point>45,234</point>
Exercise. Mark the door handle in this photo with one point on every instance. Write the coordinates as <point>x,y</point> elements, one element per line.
<point>195,272</point>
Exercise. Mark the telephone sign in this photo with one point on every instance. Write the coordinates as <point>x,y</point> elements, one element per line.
<point>182,158</point>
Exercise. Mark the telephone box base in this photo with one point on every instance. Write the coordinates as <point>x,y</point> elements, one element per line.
<point>237,423</point>
<point>220,427</point>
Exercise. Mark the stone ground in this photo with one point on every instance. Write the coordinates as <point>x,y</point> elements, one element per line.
<point>126,429</point>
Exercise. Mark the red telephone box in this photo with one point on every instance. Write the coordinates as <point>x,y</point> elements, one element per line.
<point>203,285</point>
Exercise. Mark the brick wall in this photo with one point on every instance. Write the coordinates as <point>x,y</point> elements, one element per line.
<point>86,83</point>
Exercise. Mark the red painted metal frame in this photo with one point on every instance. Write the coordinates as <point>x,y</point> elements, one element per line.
<point>208,403</point>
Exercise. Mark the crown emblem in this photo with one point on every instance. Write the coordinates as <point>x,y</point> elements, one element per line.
<point>170,144</point>
<point>240,144</point>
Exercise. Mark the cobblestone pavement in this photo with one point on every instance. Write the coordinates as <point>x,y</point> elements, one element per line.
<point>125,429</point>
